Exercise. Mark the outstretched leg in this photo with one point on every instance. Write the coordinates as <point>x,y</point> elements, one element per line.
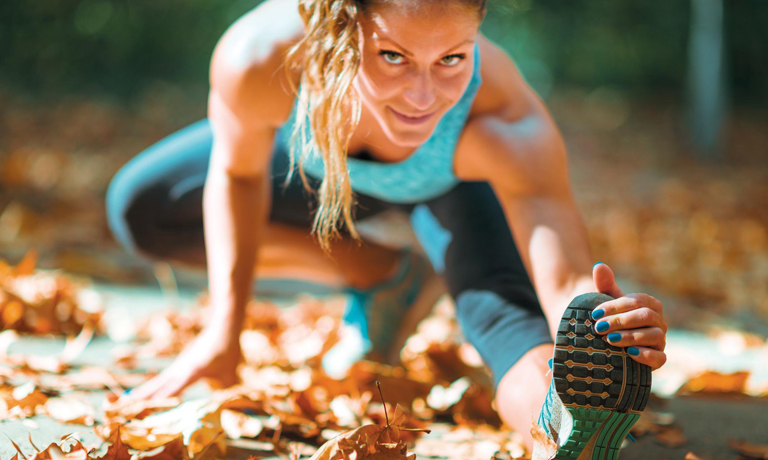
<point>465,234</point>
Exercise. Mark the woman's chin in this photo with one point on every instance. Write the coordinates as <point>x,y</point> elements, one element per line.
<point>408,139</point>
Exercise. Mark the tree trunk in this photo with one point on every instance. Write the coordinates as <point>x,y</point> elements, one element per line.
<point>706,78</point>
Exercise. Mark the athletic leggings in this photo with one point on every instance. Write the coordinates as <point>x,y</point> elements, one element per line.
<point>154,207</point>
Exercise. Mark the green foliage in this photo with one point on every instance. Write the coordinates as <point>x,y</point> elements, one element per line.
<point>110,46</point>
<point>120,47</point>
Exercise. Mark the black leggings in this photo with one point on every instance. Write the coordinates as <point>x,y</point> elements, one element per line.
<point>154,206</point>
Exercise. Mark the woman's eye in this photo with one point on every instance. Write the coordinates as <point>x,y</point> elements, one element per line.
<point>453,59</point>
<point>388,54</point>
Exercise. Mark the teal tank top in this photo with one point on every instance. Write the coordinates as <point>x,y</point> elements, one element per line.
<point>426,174</point>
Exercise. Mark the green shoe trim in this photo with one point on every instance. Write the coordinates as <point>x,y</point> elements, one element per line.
<point>602,388</point>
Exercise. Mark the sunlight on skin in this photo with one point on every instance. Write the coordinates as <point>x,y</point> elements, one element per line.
<point>414,68</point>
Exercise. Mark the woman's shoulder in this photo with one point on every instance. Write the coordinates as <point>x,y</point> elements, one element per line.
<point>247,67</point>
<point>503,92</point>
<point>506,116</point>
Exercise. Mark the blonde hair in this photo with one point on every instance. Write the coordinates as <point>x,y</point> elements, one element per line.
<point>330,62</point>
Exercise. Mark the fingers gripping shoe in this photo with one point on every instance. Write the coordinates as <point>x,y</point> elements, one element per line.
<point>597,392</point>
<point>377,321</point>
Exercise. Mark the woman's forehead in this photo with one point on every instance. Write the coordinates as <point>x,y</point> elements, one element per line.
<point>440,24</point>
<point>420,9</point>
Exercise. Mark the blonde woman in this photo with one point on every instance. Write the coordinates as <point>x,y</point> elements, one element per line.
<point>395,105</point>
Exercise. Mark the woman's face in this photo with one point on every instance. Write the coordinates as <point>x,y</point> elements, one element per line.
<point>415,64</point>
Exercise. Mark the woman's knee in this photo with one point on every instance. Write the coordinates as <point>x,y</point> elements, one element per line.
<point>138,195</point>
<point>127,215</point>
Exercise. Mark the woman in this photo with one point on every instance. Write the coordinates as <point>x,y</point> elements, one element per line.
<point>396,105</point>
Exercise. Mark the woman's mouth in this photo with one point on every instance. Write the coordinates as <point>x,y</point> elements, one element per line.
<point>411,120</point>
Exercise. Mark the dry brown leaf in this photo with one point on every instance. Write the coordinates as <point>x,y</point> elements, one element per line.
<point>371,442</point>
<point>69,410</point>
<point>715,382</point>
<point>753,451</point>
<point>88,378</point>
<point>238,425</point>
<point>358,442</point>
<point>197,421</point>
<point>126,408</point>
<point>173,450</point>
<point>18,449</point>
<point>544,448</point>
<point>40,302</point>
<point>75,347</point>
<point>54,452</point>
<point>23,400</point>
<point>116,450</point>
<point>671,437</point>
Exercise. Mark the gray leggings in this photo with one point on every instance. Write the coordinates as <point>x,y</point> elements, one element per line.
<point>154,207</point>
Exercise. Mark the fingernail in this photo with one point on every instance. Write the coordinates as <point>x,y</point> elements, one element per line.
<point>602,326</point>
<point>126,392</point>
<point>633,351</point>
<point>614,337</point>
<point>596,263</point>
<point>598,313</point>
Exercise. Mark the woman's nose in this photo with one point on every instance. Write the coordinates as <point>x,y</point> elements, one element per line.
<point>421,92</point>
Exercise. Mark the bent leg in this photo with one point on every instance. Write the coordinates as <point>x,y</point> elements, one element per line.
<point>154,201</point>
<point>465,234</point>
<point>154,208</point>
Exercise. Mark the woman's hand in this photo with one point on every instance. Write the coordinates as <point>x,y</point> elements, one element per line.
<point>215,353</point>
<point>631,320</point>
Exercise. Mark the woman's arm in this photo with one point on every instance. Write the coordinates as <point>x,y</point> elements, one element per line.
<point>525,163</point>
<point>519,150</point>
<point>236,203</point>
<point>243,104</point>
<point>249,100</point>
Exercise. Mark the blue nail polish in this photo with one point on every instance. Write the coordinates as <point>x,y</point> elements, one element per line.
<point>128,391</point>
<point>596,263</point>
<point>602,326</point>
<point>598,313</point>
<point>633,351</point>
<point>614,337</point>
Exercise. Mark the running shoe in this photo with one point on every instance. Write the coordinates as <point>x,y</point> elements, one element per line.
<point>377,321</point>
<point>597,392</point>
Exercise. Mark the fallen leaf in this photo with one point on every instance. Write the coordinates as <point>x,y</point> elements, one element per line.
<point>753,451</point>
<point>715,382</point>
<point>69,410</point>
<point>238,425</point>
<point>116,450</point>
<point>671,437</point>
<point>544,448</point>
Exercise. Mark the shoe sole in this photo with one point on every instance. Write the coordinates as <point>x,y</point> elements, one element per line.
<point>600,385</point>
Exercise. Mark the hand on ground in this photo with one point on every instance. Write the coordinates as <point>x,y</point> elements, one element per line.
<point>213,354</point>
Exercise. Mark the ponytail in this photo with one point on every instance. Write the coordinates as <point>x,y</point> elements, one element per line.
<point>330,63</point>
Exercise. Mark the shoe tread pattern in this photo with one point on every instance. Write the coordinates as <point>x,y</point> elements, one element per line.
<point>602,387</point>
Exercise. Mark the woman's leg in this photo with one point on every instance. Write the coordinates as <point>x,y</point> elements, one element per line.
<point>154,207</point>
<point>466,236</point>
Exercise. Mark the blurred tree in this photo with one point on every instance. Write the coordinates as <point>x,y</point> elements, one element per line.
<point>706,77</point>
<point>119,48</point>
